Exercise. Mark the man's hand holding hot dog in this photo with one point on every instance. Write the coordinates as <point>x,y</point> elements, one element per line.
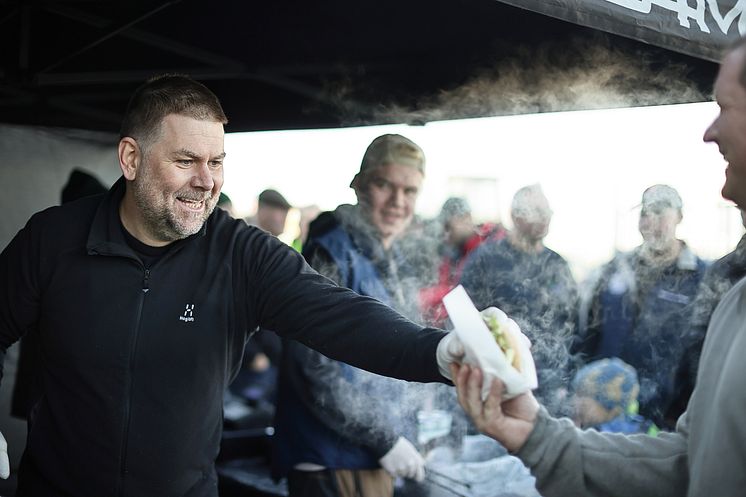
<point>509,422</point>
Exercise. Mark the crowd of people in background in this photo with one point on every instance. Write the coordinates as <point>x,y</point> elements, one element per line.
<point>619,356</point>
<point>617,352</point>
<point>648,307</point>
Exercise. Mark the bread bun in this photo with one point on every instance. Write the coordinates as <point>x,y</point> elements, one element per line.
<point>506,339</point>
<point>514,342</point>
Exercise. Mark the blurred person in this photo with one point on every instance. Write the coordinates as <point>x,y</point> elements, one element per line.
<point>225,203</point>
<point>27,388</point>
<point>719,277</point>
<point>640,305</point>
<point>271,212</point>
<point>461,237</point>
<point>307,215</point>
<point>81,184</point>
<point>705,455</point>
<point>143,299</point>
<point>605,398</point>
<point>533,284</point>
<point>336,432</point>
<point>256,381</point>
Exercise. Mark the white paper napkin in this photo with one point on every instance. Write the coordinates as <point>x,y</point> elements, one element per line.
<point>482,350</point>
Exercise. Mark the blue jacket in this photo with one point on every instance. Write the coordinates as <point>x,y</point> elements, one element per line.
<point>628,424</point>
<point>319,420</point>
<point>639,314</point>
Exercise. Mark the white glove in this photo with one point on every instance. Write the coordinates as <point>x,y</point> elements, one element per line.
<point>404,460</point>
<point>4,462</point>
<point>450,350</point>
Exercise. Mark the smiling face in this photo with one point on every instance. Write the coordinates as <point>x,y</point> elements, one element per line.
<point>729,128</point>
<point>388,197</point>
<point>174,185</point>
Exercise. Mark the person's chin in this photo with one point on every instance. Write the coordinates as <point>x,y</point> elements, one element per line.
<point>190,224</point>
<point>732,192</point>
<point>390,231</point>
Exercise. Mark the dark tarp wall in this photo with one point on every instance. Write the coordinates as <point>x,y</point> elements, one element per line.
<point>701,30</point>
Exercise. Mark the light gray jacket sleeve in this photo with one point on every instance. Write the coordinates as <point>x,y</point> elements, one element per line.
<point>568,461</point>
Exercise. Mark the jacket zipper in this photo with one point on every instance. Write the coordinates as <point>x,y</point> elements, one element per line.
<point>128,398</point>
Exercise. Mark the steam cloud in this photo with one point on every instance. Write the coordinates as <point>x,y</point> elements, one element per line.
<point>571,76</point>
<point>577,75</point>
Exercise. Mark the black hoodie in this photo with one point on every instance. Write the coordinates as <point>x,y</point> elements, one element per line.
<point>135,360</point>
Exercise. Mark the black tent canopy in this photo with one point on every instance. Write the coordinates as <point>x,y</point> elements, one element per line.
<point>298,64</point>
<point>701,30</point>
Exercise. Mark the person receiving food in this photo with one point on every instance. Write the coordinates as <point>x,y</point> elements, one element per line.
<point>705,455</point>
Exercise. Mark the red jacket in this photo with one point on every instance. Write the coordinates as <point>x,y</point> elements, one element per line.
<point>449,273</point>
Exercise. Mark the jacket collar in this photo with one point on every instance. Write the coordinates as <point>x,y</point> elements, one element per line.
<point>686,261</point>
<point>105,236</point>
<point>364,235</point>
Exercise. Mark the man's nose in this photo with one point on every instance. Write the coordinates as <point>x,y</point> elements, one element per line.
<point>398,197</point>
<point>203,177</point>
<point>710,132</point>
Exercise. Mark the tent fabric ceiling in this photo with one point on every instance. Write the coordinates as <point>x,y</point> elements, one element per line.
<point>278,65</point>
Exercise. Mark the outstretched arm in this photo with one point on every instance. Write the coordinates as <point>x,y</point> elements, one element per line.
<point>568,461</point>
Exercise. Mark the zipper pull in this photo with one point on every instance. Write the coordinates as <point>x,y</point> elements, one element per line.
<point>145,286</point>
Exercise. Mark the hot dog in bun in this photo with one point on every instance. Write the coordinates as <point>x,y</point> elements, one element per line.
<point>506,340</point>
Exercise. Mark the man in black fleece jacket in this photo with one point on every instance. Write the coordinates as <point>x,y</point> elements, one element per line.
<point>143,298</point>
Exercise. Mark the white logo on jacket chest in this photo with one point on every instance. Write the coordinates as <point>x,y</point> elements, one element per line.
<point>188,315</point>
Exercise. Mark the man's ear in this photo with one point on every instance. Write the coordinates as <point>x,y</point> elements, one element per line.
<point>129,157</point>
<point>361,188</point>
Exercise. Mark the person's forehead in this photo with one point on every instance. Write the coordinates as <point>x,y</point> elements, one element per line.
<point>185,127</point>
<point>458,219</point>
<point>534,202</point>
<point>730,70</point>
<point>399,173</point>
<point>663,210</point>
<point>271,208</point>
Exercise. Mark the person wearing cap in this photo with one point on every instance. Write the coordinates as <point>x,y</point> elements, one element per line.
<point>533,284</point>
<point>462,237</point>
<point>705,455</point>
<point>271,212</point>
<point>256,381</point>
<point>337,429</point>
<point>605,398</point>
<point>640,305</point>
<point>719,277</point>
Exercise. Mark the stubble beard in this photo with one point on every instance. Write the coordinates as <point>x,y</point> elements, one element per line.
<point>159,215</point>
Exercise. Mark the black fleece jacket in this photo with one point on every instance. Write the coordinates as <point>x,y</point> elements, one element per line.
<point>135,360</point>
